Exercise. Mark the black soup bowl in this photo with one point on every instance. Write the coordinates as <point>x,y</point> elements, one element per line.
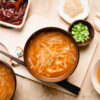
<point>59,80</point>
<point>49,29</point>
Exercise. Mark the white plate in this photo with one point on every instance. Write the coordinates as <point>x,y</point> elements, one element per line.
<point>80,16</point>
<point>95,83</point>
<point>17,26</point>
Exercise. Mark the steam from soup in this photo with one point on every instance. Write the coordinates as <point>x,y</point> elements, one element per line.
<point>51,54</point>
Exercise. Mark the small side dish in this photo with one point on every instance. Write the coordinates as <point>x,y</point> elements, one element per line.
<point>82,31</point>
<point>7,83</point>
<point>71,10</point>
<point>13,12</point>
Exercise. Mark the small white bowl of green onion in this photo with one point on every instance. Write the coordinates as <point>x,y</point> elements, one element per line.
<point>82,32</point>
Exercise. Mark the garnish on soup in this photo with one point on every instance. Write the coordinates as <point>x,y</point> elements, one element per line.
<point>98,74</point>
<point>80,32</point>
<point>7,83</point>
<point>51,54</point>
<point>12,11</point>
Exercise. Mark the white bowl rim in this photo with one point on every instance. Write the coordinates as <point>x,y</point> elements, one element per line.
<point>22,24</point>
<point>95,83</point>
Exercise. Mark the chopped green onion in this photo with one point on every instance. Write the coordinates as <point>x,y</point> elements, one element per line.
<point>80,32</point>
<point>51,60</point>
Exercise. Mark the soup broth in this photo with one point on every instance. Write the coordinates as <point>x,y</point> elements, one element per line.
<point>98,74</point>
<point>7,83</point>
<point>51,55</point>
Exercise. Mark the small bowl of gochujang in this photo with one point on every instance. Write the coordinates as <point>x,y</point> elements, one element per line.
<point>82,32</point>
<point>13,12</point>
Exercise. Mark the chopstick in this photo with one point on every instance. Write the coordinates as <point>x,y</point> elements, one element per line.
<point>65,84</point>
<point>12,57</point>
<point>70,87</point>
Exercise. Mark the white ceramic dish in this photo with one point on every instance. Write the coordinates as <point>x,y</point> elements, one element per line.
<point>95,83</point>
<point>17,26</point>
<point>69,19</point>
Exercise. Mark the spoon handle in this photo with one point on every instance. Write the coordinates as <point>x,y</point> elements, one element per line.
<point>13,58</point>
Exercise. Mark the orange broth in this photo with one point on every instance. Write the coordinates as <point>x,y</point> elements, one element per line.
<point>7,83</point>
<point>98,74</point>
<point>51,54</point>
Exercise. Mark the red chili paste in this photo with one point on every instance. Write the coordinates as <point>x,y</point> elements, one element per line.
<point>12,11</point>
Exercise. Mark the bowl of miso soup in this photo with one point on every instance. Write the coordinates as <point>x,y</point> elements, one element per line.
<point>7,82</point>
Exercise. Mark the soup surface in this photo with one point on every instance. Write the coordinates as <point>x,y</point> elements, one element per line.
<point>51,54</point>
<point>7,83</point>
<point>98,74</point>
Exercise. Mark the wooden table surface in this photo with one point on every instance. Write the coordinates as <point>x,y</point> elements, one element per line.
<point>30,90</point>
